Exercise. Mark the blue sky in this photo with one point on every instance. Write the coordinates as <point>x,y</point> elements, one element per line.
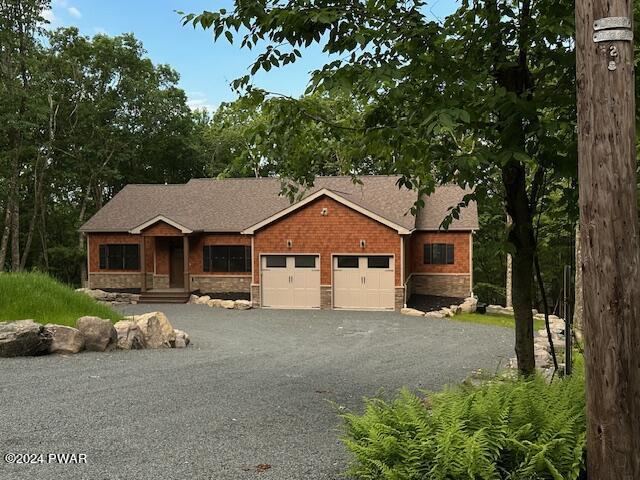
<point>206,68</point>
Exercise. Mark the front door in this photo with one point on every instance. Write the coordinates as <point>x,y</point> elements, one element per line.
<point>176,266</point>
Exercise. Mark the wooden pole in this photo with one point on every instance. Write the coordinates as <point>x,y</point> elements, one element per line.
<point>609,237</point>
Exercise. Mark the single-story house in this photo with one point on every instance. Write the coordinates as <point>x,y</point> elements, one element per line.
<point>342,246</point>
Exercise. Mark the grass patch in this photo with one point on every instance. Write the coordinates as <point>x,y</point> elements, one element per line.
<point>496,320</point>
<point>41,298</point>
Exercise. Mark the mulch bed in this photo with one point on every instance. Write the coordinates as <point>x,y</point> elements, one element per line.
<point>429,303</point>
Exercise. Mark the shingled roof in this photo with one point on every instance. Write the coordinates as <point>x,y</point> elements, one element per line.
<point>234,204</point>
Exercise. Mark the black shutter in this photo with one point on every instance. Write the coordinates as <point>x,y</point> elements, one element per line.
<point>427,253</point>
<point>103,257</point>
<point>450,254</point>
<point>206,259</point>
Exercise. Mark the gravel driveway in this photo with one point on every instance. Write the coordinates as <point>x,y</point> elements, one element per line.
<point>255,387</point>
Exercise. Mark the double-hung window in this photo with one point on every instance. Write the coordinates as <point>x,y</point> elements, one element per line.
<point>439,254</point>
<point>120,257</point>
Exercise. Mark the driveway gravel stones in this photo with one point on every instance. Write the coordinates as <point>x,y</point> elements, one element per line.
<point>255,388</point>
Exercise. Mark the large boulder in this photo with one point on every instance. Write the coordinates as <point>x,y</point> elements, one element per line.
<point>215,302</point>
<point>193,299</point>
<point>99,295</point>
<point>499,310</point>
<point>203,300</point>
<point>156,330</point>
<point>434,315</point>
<point>412,312</point>
<point>64,340</point>
<point>99,334</point>
<point>22,338</point>
<point>229,304</point>
<point>182,339</point>
<point>129,335</point>
<point>242,305</point>
<point>469,305</point>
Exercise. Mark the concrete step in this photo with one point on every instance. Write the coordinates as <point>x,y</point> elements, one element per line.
<point>164,297</point>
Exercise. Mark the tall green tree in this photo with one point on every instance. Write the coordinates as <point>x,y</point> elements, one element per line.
<point>20,106</point>
<point>488,92</point>
<point>80,118</point>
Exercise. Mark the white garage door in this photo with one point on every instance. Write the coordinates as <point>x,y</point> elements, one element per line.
<point>290,281</point>
<point>364,283</point>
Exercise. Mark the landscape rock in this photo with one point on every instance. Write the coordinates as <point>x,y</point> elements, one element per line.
<point>64,340</point>
<point>455,309</point>
<point>99,334</point>
<point>242,305</point>
<point>129,335</point>
<point>22,338</point>
<point>434,315</point>
<point>203,300</point>
<point>156,330</point>
<point>412,312</point>
<point>469,305</point>
<point>499,310</point>
<point>446,312</point>
<point>229,304</point>
<point>193,299</point>
<point>215,302</point>
<point>182,339</point>
<point>110,297</point>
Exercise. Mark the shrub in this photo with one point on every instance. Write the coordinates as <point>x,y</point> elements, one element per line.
<point>505,429</point>
<point>489,293</point>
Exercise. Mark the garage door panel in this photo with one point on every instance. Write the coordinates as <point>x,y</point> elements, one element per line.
<point>370,286</point>
<point>284,285</point>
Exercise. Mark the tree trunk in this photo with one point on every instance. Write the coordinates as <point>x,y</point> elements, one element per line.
<point>521,236</point>
<point>4,243</point>
<point>609,238</point>
<point>15,235</point>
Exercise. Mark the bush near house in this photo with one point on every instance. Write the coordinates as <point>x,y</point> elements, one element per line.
<point>505,429</point>
<point>39,297</point>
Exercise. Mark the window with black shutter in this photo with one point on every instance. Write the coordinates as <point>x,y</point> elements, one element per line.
<point>226,258</point>
<point>439,253</point>
<point>120,257</point>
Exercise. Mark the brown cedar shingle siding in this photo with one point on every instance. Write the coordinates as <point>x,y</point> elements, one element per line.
<point>231,205</point>
<point>460,241</point>
<point>339,232</point>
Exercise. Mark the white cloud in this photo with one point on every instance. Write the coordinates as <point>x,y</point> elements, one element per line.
<point>74,12</point>
<point>199,101</point>
<point>49,16</point>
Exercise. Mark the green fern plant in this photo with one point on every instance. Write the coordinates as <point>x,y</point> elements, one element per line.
<point>522,429</point>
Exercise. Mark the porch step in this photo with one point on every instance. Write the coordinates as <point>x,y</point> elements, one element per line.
<point>164,297</point>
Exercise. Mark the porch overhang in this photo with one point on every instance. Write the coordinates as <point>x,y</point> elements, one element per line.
<point>160,218</point>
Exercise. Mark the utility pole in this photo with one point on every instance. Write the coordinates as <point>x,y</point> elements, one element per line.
<point>609,236</point>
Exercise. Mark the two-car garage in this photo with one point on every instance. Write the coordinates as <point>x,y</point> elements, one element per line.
<point>358,282</point>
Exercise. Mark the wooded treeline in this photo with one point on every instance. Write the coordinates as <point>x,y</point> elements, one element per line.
<point>82,117</point>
